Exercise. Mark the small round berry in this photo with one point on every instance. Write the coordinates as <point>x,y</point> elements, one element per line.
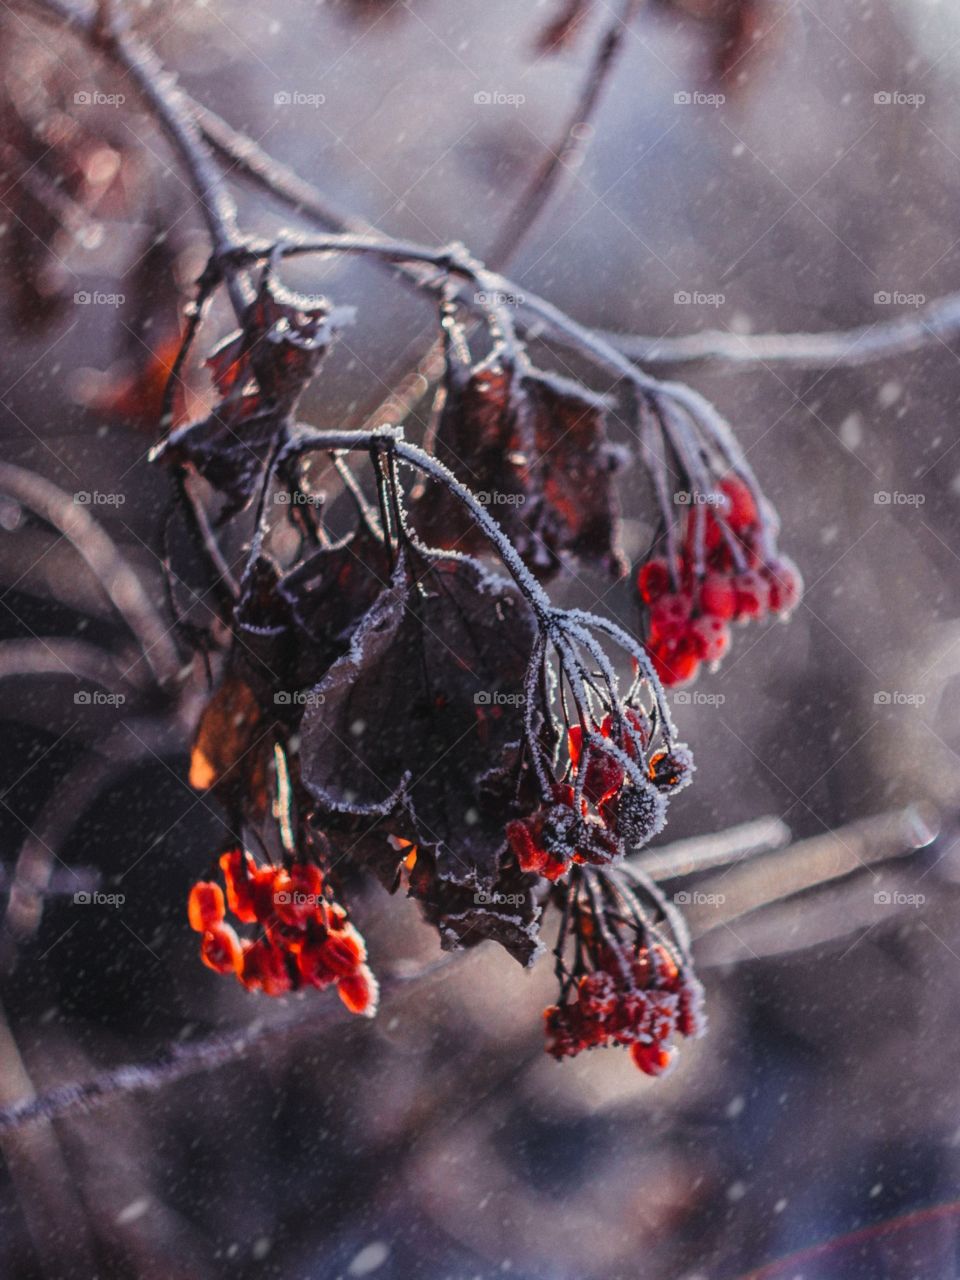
<point>640,733</point>
<point>637,814</point>
<point>676,661</point>
<point>598,994</point>
<point>360,992</point>
<point>668,975</point>
<point>604,777</point>
<point>742,512</point>
<point>691,1021</point>
<point>298,894</point>
<point>343,952</point>
<point>264,968</point>
<point>671,770</point>
<point>653,580</point>
<point>718,596</point>
<point>312,966</point>
<point>786,585</point>
<point>669,616</point>
<point>712,637</point>
<point>753,595</point>
<point>652,1059</point>
<point>205,906</point>
<point>238,871</point>
<point>220,949</point>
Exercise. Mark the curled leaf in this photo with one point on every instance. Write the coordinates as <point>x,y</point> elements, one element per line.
<point>416,729</point>
<point>533,447</point>
<point>260,372</point>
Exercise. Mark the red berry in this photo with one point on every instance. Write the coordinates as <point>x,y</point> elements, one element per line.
<point>671,770</point>
<point>220,949</point>
<point>604,777</point>
<point>668,617</point>
<point>344,952</point>
<point>298,894</point>
<point>238,871</point>
<point>360,992</point>
<point>652,1059</point>
<point>742,511</point>
<point>264,893</point>
<point>205,906</point>
<point>753,595</point>
<point>718,596</point>
<point>640,724</point>
<point>264,969</point>
<point>334,916</point>
<point>598,994</point>
<point>786,585</point>
<point>668,975</point>
<point>653,580</point>
<point>312,966</point>
<point>712,637</point>
<point>690,1018</point>
<point>675,660</point>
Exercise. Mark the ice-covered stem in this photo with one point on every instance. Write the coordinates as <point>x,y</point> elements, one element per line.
<point>454,260</point>
<point>391,439</point>
<point>935,323</point>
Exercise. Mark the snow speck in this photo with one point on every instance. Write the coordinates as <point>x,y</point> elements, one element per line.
<point>780,1205</point>
<point>851,431</point>
<point>370,1258</point>
<point>736,1191</point>
<point>134,1210</point>
<point>261,1248</point>
<point>740,322</point>
<point>875,1190</point>
<point>889,394</point>
<point>735,1107</point>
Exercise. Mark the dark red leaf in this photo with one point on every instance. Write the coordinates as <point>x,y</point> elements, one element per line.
<point>534,447</point>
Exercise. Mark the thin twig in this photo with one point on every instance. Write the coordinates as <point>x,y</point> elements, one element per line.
<point>775,876</point>
<point>73,795</point>
<point>185,1059</point>
<point>568,149</point>
<point>101,555</point>
<point>693,856</point>
<point>170,108</point>
<point>570,144</point>
<point>933,324</point>
<point>57,656</point>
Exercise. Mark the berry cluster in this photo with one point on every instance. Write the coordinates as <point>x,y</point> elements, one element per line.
<point>307,940</point>
<point>601,812</point>
<point>634,997</point>
<point>726,572</point>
